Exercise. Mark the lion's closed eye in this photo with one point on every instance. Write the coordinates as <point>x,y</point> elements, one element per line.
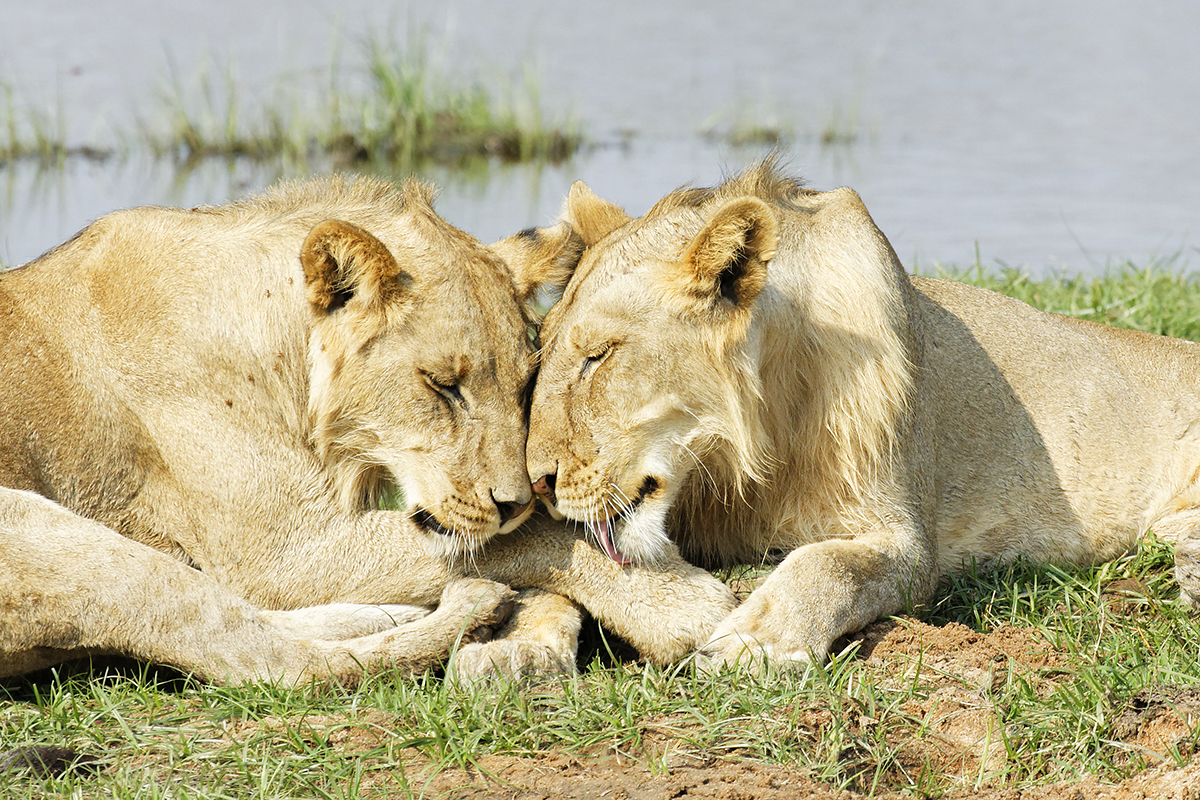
<point>448,390</point>
<point>591,361</point>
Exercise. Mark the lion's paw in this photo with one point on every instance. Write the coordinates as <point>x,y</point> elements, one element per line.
<point>762,631</point>
<point>508,659</point>
<point>540,639</point>
<point>683,619</point>
<point>481,604</point>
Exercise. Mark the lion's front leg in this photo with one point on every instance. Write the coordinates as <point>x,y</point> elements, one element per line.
<point>820,592</point>
<point>340,621</point>
<point>666,610</point>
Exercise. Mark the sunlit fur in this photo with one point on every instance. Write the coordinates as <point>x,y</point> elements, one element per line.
<point>822,362</point>
<point>796,395</point>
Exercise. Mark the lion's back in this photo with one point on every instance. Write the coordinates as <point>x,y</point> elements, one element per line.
<point>141,320</point>
<point>1047,436</point>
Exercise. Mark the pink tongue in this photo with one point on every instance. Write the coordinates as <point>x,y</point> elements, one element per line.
<point>601,531</point>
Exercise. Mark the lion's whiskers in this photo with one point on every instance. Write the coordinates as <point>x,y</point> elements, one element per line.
<point>709,478</point>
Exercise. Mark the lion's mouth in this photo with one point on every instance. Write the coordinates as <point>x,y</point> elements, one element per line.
<point>605,530</point>
<point>430,523</point>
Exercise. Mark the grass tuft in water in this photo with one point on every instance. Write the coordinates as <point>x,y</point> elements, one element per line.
<point>413,111</point>
<point>402,111</point>
<point>401,108</point>
<point>30,134</point>
<point>759,124</point>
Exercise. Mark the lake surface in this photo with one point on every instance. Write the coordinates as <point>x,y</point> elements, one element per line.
<point>1047,136</point>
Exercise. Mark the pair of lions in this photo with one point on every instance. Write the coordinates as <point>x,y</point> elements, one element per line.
<point>747,370</point>
<point>199,410</point>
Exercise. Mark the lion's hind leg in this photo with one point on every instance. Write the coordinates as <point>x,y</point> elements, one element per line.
<point>70,587</point>
<point>73,587</point>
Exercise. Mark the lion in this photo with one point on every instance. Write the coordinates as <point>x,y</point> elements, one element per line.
<point>202,410</point>
<point>746,374</point>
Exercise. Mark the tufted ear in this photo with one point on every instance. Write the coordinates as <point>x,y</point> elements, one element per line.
<point>725,265</point>
<point>344,263</point>
<point>591,217</point>
<point>540,257</point>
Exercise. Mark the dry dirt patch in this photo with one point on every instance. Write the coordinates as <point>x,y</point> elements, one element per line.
<point>952,728</point>
<point>558,775</point>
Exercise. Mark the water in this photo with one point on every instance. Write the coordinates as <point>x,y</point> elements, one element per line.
<point>1050,136</point>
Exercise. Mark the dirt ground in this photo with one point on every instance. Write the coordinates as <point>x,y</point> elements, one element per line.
<point>556,776</point>
<point>962,720</point>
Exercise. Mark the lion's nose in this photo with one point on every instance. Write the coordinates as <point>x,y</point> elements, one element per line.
<point>544,485</point>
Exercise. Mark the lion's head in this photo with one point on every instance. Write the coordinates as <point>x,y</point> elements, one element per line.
<point>421,365</point>
<point>677,381</point>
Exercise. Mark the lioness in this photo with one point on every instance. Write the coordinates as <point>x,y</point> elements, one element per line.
<point>748,370</point>
<point>200,408</point>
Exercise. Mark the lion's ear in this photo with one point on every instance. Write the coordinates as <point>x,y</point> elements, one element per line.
<point>725,265</point>
<point>591,217</point>
<point>540,257</point>
<point>343,262</point>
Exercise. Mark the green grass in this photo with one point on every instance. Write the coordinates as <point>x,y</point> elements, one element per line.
<point>399,107</point>
<point>1159,298</point>
<point>265,742</point>
<point>1117,628</point>
<point>1108,633</point>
